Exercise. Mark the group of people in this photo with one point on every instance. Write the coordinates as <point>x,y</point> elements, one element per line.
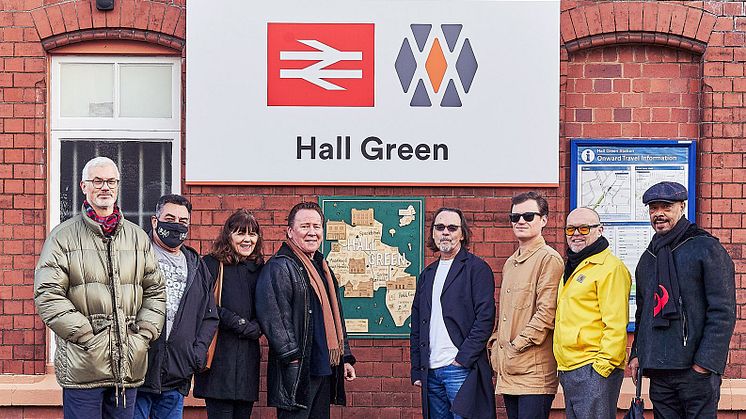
<point>565,321</point>
<point>140,316</point>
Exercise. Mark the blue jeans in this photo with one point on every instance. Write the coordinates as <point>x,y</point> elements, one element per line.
<point>167,405</point>
<point>98,402</point>
<point>442,385</point>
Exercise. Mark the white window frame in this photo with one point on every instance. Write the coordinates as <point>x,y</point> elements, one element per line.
<point>115,128</point>
<point>59,122</point>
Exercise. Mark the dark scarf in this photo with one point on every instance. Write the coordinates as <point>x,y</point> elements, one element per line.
<point>108,223</point>
<point>668,292</point>
<point>574,259</point>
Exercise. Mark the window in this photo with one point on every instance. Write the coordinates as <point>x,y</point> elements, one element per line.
<point>124,108</point>
<point>145,168</point>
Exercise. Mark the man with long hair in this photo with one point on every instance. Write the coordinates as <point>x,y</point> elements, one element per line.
<point>453,314</point>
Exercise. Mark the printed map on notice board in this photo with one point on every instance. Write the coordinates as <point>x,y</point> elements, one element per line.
<point>375,248</point>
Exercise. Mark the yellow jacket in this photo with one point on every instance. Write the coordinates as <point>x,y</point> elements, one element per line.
<point>592,315</point>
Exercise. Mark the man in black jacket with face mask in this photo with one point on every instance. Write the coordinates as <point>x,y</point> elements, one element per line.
<point>191,315</point>
<point>685,314</point>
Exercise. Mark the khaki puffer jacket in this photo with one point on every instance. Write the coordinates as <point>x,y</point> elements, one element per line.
<point>104,298</point>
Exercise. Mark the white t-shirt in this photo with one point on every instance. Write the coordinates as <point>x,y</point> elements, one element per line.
<point>442,350</point>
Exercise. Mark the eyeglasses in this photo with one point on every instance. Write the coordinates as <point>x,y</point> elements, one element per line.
<point>528,216</point>
<point>99,183</point>
<point>451,227</point>
<point>583,230</point>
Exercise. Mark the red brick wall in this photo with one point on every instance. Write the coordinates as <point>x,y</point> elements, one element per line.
<point>383,365</point>
<point>628,69</point>
<point>22,189</point>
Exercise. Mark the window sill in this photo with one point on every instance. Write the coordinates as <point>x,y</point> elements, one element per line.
<point>43,390</point>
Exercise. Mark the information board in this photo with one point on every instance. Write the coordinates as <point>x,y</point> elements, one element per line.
<point>375,248</point>
<point>610,176</point>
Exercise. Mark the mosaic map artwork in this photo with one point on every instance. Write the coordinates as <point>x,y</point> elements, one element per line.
<point>375,248</point>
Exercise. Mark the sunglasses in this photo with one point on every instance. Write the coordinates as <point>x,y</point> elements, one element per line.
<point>528,216</point>
<point>583,230</point>
<point>451,227</point>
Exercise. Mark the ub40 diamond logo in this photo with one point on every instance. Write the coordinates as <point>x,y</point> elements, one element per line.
<point>442,61</point>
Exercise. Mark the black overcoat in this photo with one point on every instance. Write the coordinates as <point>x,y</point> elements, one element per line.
<point>284,315</point>
<point>173,361</point>
<point>701,335</point>
<point>468,300</point>
<point>234,374</point>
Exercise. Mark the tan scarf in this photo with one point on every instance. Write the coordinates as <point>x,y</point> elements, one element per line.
<point>329,304</point>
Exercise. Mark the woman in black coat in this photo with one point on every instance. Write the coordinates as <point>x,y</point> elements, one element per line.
<point>231,385</point>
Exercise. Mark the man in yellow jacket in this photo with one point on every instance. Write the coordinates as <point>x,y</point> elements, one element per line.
<point>590,335</point>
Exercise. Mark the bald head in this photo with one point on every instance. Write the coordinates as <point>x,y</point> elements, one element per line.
<point>583,217</point>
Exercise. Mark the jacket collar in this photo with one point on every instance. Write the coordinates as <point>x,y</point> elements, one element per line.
<point>461,256</point>
<point>528,252</point>
<point>285,250</point>
<point>597,259</point>
<point>96,227</point>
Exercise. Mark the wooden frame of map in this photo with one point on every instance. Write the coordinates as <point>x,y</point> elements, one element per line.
<point>375,247</point>
<point>610,176</point>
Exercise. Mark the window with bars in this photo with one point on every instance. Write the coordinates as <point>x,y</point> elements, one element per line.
<point>145,170</point>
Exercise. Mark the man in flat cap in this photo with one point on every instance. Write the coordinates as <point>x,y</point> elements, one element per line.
<point>685,314</point>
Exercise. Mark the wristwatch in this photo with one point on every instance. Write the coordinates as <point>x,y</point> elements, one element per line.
<point>241,322</point>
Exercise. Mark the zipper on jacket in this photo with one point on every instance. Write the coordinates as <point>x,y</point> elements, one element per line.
<point>684,331</point>
<point>305,335</point>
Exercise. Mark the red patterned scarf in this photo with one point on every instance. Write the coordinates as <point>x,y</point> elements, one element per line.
<point>108,223</point>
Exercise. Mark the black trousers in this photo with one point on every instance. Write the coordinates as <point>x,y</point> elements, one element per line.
<point>684,394</point>
<point>228,409</point>
<point>321,397</point>
<point>528,406</point>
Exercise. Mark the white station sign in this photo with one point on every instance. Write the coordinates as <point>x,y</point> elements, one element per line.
<point>454,92</point>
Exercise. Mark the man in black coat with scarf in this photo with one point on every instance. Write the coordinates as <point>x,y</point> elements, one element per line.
<point>299,311</point>
<point>453,315</point>
<point>685,314</point>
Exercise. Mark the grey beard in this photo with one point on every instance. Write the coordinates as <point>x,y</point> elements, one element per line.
<point>445,246</point>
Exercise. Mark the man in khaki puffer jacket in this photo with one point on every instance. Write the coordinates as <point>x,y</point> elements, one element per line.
<point>98,287</point>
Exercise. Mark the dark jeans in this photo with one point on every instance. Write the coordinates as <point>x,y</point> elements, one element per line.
<point>98,403</point>
<point>228,409</point>
<point>442,386</point>
<point>684,394</point>
<point>528,406</point>
<point>167,405</point>
<point>321,397</point>
<point>589,395</point>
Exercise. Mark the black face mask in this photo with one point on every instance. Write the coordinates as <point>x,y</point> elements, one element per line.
<point>171,234</point>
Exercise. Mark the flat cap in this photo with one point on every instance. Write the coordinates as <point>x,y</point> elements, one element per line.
<point>666,192</point>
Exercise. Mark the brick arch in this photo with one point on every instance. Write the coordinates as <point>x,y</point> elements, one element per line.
<point>76,21</point>
<point>653,23</point>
